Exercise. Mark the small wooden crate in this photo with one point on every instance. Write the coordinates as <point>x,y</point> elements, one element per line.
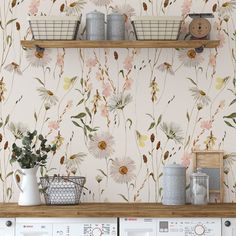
<point>211,163</point>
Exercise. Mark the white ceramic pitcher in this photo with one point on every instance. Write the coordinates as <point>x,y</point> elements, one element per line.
<point>29,190</point>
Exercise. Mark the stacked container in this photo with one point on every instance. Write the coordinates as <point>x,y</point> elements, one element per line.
<point>174,183</point>
<point>95,26</point>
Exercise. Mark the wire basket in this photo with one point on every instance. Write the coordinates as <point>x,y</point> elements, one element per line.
<point>157,28</point>
<point>54,27</point>
<point>62,190</point>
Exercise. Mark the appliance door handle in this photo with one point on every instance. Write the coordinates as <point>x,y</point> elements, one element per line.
<point>15,179</point>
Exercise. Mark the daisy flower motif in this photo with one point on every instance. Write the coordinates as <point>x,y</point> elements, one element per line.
<point>200,95</point>
<point>74,161</point>
<point>172,131</point>
<point>190,57</point>
<point>101,145</point>
<point>18,129</point>
<point>13,67</point>
<point>122,171</point>
<point>38,57</point>
<point>101,3</point>
<point>166,67</point>
<point>47,95</point>
<point>141,139</point>
<point>227,7</point>
<point>119,101</point>
<point>75,7</point>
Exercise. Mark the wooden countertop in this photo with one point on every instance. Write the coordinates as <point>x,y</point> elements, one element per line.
<point>118,210</point>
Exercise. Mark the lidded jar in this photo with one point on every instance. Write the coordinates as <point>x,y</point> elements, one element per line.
<point>174,184</point>
<point>199,188</point>
<point>95,25</point>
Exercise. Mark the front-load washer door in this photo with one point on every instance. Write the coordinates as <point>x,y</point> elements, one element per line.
<point>138,227</point>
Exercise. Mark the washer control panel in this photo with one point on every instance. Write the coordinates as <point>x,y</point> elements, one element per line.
<point>189,227</point>
<point>85,229</point>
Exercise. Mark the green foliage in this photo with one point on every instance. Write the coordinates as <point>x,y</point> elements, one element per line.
<point>33,151</point>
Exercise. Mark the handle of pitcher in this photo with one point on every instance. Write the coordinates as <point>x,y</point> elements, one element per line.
<point>15,179</point>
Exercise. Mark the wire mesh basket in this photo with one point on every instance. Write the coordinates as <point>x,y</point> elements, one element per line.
<point>157,27</point>
<point>54,27</point>
<point>62,190</point>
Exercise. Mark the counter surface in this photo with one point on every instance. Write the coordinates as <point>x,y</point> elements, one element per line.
<point>118,210</point>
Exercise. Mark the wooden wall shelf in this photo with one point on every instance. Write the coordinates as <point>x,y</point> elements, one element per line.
<point>120,44</point>
<point>119,210</point>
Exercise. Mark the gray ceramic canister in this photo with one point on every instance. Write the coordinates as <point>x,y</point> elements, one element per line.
<point>174,183</point>
<point>115,26</point>
<point>95,26</point>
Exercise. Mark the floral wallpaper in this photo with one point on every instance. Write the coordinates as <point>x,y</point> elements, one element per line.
<point>117,116</point>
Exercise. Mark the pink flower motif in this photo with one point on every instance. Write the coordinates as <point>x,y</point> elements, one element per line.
<point>128,63</point>
<point>206,124</point>
<point>104,110</point>
<point>106,90</point>
<point>53,125</point>
<point>212,60</point>
<point>60,59</point>
<point>33,7</point>
<point>185,159</point>
<point>221,37</point>
<point>91,62</point>
<point>186,7</point>
<point>128,84</point>
<point>184,28</point>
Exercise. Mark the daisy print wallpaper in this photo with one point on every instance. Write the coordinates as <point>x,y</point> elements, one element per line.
<point>117,116</point>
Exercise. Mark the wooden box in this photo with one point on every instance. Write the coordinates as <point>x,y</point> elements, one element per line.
<point>211,163</point>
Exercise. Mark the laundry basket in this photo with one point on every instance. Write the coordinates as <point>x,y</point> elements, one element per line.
<point>62,190</point>
<point>156,27</point>
<point>54,27</point>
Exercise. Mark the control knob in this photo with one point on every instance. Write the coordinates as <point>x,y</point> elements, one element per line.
<point>8,223</point>
<point>227,223</point>
<point>97,232</point>
<point>199,230</point>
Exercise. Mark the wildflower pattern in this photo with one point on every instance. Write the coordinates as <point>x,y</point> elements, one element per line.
<point>117,116</point>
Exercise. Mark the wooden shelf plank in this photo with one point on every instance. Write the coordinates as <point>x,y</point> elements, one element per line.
<point>119,210</point>
<point>120,44</point>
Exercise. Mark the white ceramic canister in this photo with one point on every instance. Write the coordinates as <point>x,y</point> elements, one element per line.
<point>95,26</point>
<point>174,184</point>
<point>199,188</point>
<point>115,26</point>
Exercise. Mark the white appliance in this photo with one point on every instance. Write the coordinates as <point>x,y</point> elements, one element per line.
<point>228,226</point>
<point>170,227</point>
<point>7,227</point>
<point>138,226</point>
<point>66,227</point>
